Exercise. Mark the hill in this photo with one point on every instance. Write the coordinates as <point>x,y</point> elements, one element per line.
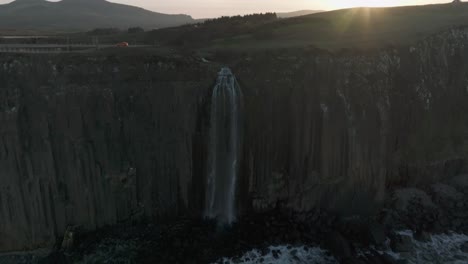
<point>360,28</point>
<point>297,13</point>
<point>75,15</point>
<point>354,28</point>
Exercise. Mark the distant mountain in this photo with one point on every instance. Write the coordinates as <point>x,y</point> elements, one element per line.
<point>82,15</point>
<point>297,13</point>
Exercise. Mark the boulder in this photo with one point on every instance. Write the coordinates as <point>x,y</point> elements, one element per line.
<point>445,193</point>
<point>402,242</point>
<point>422,236</point>
<point>403,197</point>
<point>460,182</point>
<point>414,209</point>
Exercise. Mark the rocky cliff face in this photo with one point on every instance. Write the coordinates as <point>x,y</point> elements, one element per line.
<point>354,125</point>
<point>92,141</point>
<point>97,142</point>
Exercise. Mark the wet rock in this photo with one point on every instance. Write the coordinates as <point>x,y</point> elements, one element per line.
<point>392,259</point>
<point>276,254</point>
<point>377,258</point>
<point>339,246</point>
<point>266,251</point>
<point>422,236</point>
<point>461,258</point>
<point>415,210</point>
<point>402,243</point>
<point>445,193</point>
<point>403,197</point>
<point>464,247</point>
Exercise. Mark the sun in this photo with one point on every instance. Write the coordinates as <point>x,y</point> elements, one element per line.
<point>338,4</point>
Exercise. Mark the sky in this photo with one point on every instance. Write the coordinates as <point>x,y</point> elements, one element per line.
<point>215,8</point>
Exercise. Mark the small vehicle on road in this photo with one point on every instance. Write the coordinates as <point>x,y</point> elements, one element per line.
<point>122,44</point>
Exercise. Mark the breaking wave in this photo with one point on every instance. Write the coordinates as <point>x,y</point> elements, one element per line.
<point>284,254</point>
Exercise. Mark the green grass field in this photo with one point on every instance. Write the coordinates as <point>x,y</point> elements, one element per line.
<point>360,28</point>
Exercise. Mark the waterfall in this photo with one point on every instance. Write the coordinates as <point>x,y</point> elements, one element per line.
<point>224,148</point>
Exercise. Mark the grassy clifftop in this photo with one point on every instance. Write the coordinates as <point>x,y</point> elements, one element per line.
<point>356,28</point>
<point>359,28</point>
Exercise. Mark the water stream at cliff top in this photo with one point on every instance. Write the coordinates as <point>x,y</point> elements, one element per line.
<point>224,148</point>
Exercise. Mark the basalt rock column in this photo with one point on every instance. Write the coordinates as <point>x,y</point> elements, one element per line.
<point>224,148</point>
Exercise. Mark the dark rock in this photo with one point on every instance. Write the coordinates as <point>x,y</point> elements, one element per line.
<point>354,261</point>
<point>275,254</point>
<point>389,259</point>
<point>375,258</point>
<point>377,234</point>
<point>69,238</point>
<point>464,248</point>
<point>401,242</point>
<point>339,246</point>
<point>460,182</point>
<point>422,236</point>
<point>56,257</point>
<point>265,251</point>
<point>446,195</point>
<point>403,198</point>
<point>457,223</point>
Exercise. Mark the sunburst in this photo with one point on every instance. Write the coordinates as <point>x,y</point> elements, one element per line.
<point>338,4</point>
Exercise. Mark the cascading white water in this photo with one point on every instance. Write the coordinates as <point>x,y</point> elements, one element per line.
<point>224,148</point>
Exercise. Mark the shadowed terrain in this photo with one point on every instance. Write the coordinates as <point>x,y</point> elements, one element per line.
<point>356,28</point>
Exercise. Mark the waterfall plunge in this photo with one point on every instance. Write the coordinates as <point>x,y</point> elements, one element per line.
<point>224,148</point>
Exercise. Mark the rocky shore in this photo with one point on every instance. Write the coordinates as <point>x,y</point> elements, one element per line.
<point>434,219</point>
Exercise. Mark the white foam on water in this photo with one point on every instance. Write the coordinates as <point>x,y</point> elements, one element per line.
<point>284,254</point>
<point>444,248</point>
